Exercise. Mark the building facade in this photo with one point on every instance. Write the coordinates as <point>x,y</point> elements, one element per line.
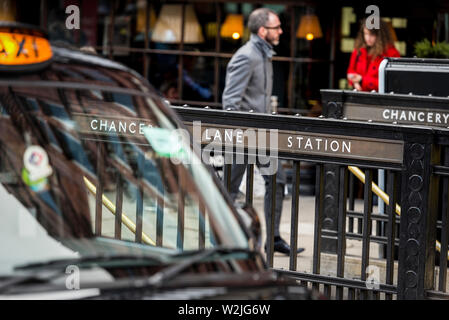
<point>189,67</point>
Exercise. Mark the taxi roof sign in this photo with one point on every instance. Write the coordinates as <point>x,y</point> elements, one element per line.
<point>23,47</point>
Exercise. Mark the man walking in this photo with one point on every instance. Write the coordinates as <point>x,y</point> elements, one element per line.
<point>249,82</point>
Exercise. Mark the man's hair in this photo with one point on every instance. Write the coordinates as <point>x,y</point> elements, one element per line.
<point>259,18</point>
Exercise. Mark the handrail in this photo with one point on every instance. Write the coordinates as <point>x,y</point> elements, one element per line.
<point>378,191</point>
<point>111,207</point>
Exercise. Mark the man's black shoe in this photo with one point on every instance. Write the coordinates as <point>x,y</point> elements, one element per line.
<point>281,246</point>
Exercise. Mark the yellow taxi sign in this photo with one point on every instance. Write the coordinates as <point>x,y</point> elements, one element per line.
<point>21,48</point>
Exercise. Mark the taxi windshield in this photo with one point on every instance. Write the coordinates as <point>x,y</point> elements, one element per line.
<point>116,170</point>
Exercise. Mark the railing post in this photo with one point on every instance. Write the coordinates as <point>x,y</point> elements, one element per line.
<point>418,219</point>
<point>319,187</point>
<point>444,226</point>
<point>330,203</point>
<point>341,244</point>
<point>333,109</point>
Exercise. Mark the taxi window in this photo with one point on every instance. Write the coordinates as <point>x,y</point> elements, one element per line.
<point>112,168</point>
<point>60,203</point>
<point>170,212</point>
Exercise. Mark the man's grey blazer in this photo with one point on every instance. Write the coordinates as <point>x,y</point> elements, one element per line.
<point>249,77</point>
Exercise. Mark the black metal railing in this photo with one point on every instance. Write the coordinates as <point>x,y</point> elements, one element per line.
<point>407,110</point>
<point>137,189</point>
<point>407,154</point>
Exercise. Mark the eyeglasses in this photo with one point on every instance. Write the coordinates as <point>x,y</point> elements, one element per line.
<point>276,28</point>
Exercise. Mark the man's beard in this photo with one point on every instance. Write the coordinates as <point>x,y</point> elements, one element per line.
<point>273,42</point>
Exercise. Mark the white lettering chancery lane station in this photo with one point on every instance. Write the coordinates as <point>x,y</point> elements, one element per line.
<point>319,144</point>
<point>416,116</point>
<point>117,126</point>
<point>299,142</point>
<point>296,142</point>
<point>402,115</point>
<point>111,125</point>
<point>273,141</point>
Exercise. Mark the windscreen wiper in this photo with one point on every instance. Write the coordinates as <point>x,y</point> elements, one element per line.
<point>60,264</point>
<point>93,259</point>
<point>172,271</point>
<point>14,281</point>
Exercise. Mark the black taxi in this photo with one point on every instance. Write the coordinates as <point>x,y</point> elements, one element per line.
<point>101,198</point>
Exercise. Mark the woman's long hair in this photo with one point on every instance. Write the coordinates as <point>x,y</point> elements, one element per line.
<point>384,38</point>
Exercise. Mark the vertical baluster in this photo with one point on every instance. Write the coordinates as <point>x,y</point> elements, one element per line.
<point>357,294</point>
<point>319,197</point>
<point>201,224</point>
<point>360,226</point>
<point>99,192</point>
<point>227,176</point>
<point>181,205</point>
<point>118,206</point>
<point>351,294</point>
<point>368,206</point>
<point>249,184</point>
<point>397,226</point>
<point>271,221</point>
<point>351,202</point>
<point>139,214</point>
<point>380,225</point>
<point>316,286</point>
<point>341,244</point>
<point>294,216</point>
<point>211,231</point>
<point>327,291</point>
<point>139,198</point>
<point>342,288</point>
<point>160,218</point>
<point>391,227</point>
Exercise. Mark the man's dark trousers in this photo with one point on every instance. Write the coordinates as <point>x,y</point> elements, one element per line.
<point>237,172</point>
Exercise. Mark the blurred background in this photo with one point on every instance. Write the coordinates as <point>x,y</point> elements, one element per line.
<point>183,47</point>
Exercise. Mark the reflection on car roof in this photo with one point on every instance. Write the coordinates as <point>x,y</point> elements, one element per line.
<point>62,54</point>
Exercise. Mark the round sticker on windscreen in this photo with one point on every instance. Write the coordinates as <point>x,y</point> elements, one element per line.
<point>35,160</point>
